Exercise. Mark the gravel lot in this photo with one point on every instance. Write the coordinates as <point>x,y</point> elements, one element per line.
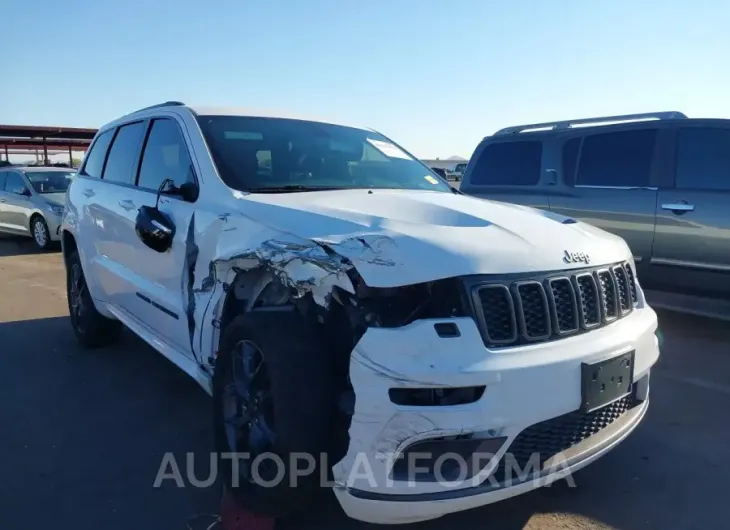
<point>84,434</point>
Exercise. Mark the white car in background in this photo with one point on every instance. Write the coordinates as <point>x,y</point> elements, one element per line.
<point>338,298</point>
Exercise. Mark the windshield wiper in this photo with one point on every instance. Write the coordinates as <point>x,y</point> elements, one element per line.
<point>292,188</point>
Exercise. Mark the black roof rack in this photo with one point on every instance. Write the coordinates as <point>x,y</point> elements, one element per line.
<point>165,104</point>
<point>557,125</point>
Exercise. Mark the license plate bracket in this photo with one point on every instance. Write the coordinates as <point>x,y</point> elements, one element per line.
<point>606,381</point>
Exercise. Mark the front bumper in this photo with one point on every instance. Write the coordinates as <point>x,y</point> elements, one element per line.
<point>525,385</point>
<point>54,226</point>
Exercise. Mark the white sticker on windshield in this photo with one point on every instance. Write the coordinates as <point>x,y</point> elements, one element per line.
<point>388,149</point>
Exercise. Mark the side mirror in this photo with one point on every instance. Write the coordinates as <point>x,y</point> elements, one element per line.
<point>154,228</point>
<point>189,191</point>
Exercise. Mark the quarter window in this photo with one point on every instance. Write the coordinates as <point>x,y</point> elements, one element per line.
<point>508,164</point>
<point>703,159</point>
<point>165,157</point>
<point>95,159</point>
<point>617,159</point>
<point>123,153</point>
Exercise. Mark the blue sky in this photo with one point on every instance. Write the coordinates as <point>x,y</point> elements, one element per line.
<point>435,76</point>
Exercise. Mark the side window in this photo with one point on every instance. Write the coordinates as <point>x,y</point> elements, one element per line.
<point>617,159</point>
<point>508,163</point>
<point>14,184</point>
<point>95,159</point>
<point>123,153</point>
<point>703,159</point>
<point>2,180</point>
<point>570,160</point>
<point>165,156</point>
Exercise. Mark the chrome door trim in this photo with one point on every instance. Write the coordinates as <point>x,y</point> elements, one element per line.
<point>690,264</point>
<point>650,188</point>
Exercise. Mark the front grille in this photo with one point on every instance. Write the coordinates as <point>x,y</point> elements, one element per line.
<point>552,306</point>
<point>542,441</point>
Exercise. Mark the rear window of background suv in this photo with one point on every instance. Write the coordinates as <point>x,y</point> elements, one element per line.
<point>511,163</point>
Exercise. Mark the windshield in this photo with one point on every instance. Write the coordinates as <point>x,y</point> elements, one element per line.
<point>50,181</point>
<point>274,154</point>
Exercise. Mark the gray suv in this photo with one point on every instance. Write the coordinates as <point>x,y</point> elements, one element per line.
<point>32,199</point>
<point>661,181</point>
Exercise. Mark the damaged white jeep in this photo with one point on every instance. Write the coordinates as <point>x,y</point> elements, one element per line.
<point>360,324</point>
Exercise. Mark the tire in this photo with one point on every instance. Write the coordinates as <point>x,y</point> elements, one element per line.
<point>298,369</point>
<point>40,233</point>
<point>92,329</point>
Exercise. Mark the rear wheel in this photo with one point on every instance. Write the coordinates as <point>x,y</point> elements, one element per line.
<point>274,404</point>
<point>92,329</point>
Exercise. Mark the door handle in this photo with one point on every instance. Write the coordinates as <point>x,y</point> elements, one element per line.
<point>127,204</point>
<point>552,177</point>
<point>3,200</point>
<point>88,192</point>
<point>679,207</point>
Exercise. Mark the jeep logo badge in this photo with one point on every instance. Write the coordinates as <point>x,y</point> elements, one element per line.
<point>576,257</point>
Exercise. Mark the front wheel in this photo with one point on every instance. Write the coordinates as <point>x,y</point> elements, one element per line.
<point>273,411</point>
<point>41,235</point>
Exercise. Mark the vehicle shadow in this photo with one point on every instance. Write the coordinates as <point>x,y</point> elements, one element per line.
<point>22,246</point>
<point>88,433</point>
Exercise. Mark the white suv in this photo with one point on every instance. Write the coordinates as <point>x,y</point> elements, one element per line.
<point>340,300</point>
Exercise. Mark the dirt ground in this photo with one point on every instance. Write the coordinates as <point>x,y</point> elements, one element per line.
<point>83,434</point>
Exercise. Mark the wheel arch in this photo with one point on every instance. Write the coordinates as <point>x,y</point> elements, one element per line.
<point>33,216</point>
<point>250,290</point>
<point>68,245</point>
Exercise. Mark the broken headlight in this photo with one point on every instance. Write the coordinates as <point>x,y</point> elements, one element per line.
<point>399,306</point>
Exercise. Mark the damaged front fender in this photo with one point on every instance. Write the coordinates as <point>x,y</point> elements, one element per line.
<point>218,251</point>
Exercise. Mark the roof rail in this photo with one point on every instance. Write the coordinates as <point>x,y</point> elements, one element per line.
<point>557,125</point>
<point>165,104</point>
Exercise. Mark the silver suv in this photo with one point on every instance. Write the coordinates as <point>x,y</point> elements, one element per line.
<point>660,181</point>
<point>32,200</point>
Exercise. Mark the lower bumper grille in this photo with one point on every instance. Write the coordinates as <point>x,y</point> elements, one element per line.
<point>542,441</point>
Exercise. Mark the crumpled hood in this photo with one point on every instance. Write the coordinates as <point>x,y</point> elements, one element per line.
<point>399,237</point>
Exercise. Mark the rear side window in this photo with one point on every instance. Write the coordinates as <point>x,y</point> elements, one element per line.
<point>95,159</point>
<point>14,183</point>
<point>165,157</point>
<point>617,159</point>
<point>703,159</point>
<point>123,153</point>
<point>508,164</point>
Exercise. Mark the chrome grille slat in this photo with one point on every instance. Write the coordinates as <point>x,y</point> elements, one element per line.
<point>590,300</point>
<point>632,283</point>
<point>496,312</point>
<point>622,288</point>
<point>564,305</point>
<point>607,290</point>
<point>552,306</point>
<point>533,313</point>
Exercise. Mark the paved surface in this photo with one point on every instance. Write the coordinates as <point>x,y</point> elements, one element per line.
<point>83,434</point>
